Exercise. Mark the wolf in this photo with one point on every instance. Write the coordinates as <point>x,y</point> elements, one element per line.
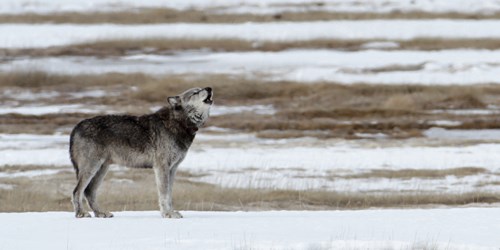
<point>159,140</point>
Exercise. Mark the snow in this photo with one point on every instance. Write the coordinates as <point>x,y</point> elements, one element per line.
<point>485,7</point>
<point>31,141</point>
<point>257,109</point>
<point>219,110</point>
<point>380,45</point>
<point>51,109</point>
<point>46,35</point>
<point>6,186</point>
<point>27,95</point>
<point>31,173</point>
<point>96,93</point>
<point>252,6</point>
<point>463,134</point>
<point>495,111</point>
<point>445,123</point>
<point>30,149</point>
<point>280,154</point>
<point>243,160</point>
<point>21,94</point>
<point>443,67</point>
<point>455,228</point>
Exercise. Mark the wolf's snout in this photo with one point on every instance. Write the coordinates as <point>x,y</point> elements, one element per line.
<point>209,99</point>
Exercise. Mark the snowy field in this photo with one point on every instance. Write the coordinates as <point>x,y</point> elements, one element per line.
<point>46,35</point>
<point>252,6</point>
<point>445,67</point>
<point>437,153</point>
<point>456,228</point>
<point>372,64</point>
<point>242,160</point>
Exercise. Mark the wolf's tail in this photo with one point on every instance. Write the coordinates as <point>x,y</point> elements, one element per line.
<point>71,152</point>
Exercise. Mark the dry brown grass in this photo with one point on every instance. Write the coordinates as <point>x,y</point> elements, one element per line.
<point>324,97</point>
<point>416,173</point>
<point>40,79</point>
<point>164,15</point>
<point>332,110</point>
<point>39,124</point>
<point>134,189</point>
<point>31,79</point>
<point>161,45</point>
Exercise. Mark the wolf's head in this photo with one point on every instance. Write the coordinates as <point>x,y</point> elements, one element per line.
<point>195,103</point>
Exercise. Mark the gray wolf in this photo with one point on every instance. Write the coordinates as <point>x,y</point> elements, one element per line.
<point>159,140</point>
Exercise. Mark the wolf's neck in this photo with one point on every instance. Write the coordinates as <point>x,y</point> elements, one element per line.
<point>179,121</point>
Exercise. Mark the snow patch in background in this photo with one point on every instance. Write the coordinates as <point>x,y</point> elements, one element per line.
<point>446,67</point>
<point>53,109</point>
<point>46,35</point>
<point>253,6</point>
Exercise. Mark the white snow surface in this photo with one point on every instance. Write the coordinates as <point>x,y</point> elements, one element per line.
<point>253,6</point>
<point>443,67</point>
<point>46,35</point>
<point>279,154</point>
<point>455,228</point>
<point>51,109</point>
<point>218,110</point>
<point>463,134</point>
<point>242,160</point>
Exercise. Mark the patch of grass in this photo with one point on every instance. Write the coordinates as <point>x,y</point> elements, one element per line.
<point>40,79</point>
<point>165,15</point>
<point>53,192</point>
<point>416,173</point>
<point>121,47</point>
<point>39,124</point>
<point>32,79</point>
<point>320,110</point>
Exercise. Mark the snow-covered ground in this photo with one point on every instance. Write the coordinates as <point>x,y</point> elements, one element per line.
<point>242,160</point>
<point>369,65</point>
<point>50,109</point>
<point>443,67</point>
<point>230,159</point>
<point>254,6</point>
<point>455,228</point>
<point>45,35</point>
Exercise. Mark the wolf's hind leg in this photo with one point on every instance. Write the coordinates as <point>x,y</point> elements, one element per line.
<point>85,175</point>
<point>91,192</point>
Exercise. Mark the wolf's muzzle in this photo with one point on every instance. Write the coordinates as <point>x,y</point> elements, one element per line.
<point>209,96</point>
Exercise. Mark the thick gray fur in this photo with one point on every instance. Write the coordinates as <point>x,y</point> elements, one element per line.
<point>159,141</point>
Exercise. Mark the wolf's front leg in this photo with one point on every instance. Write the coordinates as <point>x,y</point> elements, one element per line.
<point>164,186</point>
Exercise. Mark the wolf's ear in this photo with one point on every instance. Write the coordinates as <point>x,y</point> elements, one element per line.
<point>174,101</point>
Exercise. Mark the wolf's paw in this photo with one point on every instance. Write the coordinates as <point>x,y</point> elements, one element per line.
<point>82,214</point>
<point>172,215</point>
<point>103,214</point>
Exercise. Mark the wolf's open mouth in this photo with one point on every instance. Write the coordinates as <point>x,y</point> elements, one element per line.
<point>209,98</point>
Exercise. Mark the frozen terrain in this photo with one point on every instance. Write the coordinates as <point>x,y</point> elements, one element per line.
<point>456,228</point>
<point>50,109</point>
<point>46,35</point>
<point>443,67</point>
<point>242,160</point>
<point>439,162</point>
<point>369,65</point>
<point>254,6</point>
